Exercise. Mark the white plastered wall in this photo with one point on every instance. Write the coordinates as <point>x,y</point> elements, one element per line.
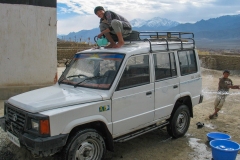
<point>28,46</point>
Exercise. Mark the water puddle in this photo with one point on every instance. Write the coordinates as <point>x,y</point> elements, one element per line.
<point>200,150</point>
<point>165,140</point>
<point>211,126</point>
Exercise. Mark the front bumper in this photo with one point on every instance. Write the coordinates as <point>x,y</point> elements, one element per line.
<point>43,147</point>
<point>39,146</point>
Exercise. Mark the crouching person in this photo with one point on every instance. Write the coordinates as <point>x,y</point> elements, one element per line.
<point>111,22</point>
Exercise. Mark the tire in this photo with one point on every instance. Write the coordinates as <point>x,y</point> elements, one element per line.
<point>87,144</point>
<point>179,122</point>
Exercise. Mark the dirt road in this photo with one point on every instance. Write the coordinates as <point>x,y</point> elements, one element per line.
<point>157,145</point>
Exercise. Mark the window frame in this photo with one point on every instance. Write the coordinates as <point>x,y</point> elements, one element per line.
<point>195,61</point>
<point>162,79</point>
<point>68,66</point>
<point>137,85</point>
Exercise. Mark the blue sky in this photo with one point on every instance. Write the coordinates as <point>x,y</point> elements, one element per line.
<point>76,15</point>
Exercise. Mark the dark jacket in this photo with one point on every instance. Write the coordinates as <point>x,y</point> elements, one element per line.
<point>109,16</point>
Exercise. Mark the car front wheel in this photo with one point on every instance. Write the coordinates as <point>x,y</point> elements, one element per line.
<point>87,144</point>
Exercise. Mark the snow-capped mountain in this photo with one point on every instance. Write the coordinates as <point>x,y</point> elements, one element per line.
<point>156,22</point>
<point>138,22</point>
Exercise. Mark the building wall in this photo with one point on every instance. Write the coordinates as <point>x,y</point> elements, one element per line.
<point>28,47</point>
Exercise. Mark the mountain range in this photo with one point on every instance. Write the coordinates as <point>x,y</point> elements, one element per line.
<point>220,28</point>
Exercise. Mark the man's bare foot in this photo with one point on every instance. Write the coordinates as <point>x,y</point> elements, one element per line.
<point>118,45</point>
<point>111,45</point>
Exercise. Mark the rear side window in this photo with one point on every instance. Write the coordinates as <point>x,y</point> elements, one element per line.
<point>165,65</point>
<point>136,72</point>
<point>187,62</point>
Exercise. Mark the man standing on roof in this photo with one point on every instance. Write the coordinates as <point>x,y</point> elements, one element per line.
<point>111,22</point>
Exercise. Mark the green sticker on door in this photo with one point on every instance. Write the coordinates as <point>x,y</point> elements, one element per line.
<point>104,108</point>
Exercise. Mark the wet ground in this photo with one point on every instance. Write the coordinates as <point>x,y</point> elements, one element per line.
<point>157,145</point>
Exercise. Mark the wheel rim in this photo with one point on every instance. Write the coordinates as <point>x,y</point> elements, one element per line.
<point>88,150</point>
<point>182,121</point>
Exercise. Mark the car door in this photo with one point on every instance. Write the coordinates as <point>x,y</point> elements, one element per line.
<point>190,79</point>
<point>166,84</point>
<point>133,100</point>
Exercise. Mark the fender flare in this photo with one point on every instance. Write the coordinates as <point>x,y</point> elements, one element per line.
<point>85,120</point>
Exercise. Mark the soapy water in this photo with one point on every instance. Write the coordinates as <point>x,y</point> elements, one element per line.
<point>201,152</point>
<point>222,147</point>
<point>211,126</point>
<point>208,94</point>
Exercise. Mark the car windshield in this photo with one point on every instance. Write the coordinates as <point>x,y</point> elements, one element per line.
<point>92,70</point>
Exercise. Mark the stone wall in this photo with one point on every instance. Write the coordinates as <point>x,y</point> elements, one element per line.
<point>216,62</point>
<point>221,62</point>
<point>66,50</point>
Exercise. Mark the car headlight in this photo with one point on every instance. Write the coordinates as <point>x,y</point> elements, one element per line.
<point>42,126</point>
<point>35,124</point>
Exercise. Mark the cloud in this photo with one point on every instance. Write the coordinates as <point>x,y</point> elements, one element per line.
<point>177,10</point>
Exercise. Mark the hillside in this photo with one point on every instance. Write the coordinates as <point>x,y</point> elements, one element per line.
<point>225,27</point>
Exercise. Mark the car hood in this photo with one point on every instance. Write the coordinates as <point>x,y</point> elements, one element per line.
<point>52,97</point>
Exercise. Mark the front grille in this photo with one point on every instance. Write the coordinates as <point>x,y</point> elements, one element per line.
<point>16,119</point>
<point>16,116</point>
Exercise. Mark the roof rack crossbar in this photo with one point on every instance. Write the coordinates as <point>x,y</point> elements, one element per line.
<point>181,38</point>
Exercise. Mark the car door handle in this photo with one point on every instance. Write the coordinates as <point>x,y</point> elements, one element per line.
<point>175,86</point>
<point>148,93</point>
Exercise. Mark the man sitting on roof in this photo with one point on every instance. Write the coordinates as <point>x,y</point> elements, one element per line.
<point>114,23</point>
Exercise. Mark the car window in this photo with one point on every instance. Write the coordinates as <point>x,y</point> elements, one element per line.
<point>165,65</point>
<point>187,62</point>
<point>135,73</point>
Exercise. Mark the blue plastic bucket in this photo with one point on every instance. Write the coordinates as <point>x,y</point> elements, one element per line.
<point>224,149</point>
<point>218,135</point>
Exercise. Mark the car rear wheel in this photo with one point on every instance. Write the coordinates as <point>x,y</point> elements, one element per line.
<point>179,122</point>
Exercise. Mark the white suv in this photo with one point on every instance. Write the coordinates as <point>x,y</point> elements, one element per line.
<point>110,95</point>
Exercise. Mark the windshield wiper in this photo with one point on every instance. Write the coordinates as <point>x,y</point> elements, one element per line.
<point>90,78</point>
<point>77,75</point>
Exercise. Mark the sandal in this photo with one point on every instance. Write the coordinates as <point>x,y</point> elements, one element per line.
<point>199,125</point>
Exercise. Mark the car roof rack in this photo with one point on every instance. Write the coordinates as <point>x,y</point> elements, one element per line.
<point>160,36</point>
